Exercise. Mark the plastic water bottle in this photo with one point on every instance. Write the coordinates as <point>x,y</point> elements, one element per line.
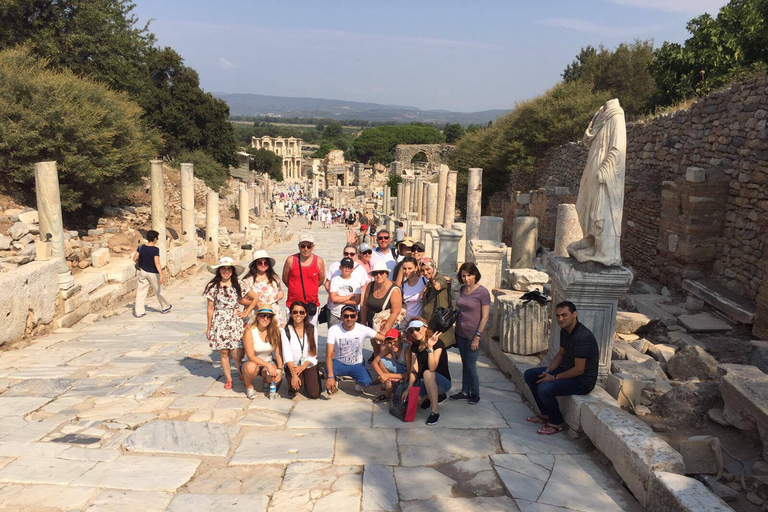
<point>272,391</point>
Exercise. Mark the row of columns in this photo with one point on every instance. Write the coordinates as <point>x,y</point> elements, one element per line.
<point>433,203</point>
<point>292,168</point>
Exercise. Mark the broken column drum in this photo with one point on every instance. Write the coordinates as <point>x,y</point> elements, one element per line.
<point>568,229</point>
<point>188,203</point>
<point>523,326</point>
<point>525,234</point>
<point>50,218</point>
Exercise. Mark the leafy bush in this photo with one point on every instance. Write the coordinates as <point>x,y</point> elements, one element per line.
<point>324,149</point>
<point>95,134</point>
<point>377,145</point>
<point>207,169</point>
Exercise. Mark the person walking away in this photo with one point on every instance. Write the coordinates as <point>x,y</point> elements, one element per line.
<point>262,343</point>
<point>344,290</point>
<point>399,232</point>
<point>344,350</point>
<point>300,353</point>
<point>573,370</point>
<point>261,285</point>
<point>150,273</point>
<point>392,363</point>
<point>303,275</point>
<point>429,368</point>
<point>225,325</point>
<point>474,305</point>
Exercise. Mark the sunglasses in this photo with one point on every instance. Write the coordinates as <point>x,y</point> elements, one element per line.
<point>416,249</point>
<point>349,316</point>
<point>298,312</point>
<point>265,315</point>
<point>383,238</point>
<point>306,246</point>
<point>262,263</point>
<point>380,273</point>
<point>350,254</point>
<point>412,330</point>
<point>367,253</point>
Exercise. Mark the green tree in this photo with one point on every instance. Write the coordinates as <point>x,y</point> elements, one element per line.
<point>265,161</point>
<point>207,169</point>
<point>324,149</point>
<point>392,182</point>
<point>95,134</point>
<point>377,145</point>
<point>332,130</point>
<point>453,132</point>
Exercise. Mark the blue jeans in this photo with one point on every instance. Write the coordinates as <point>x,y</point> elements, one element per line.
<point>393,366</point>
<point>470,383</point>
<point>443,385</point>
<point>546,393</point>
<point>357,371</point>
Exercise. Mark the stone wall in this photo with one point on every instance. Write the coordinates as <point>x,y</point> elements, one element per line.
<point>436,153</point>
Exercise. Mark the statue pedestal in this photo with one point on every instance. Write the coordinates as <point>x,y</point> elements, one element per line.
<point>596,290</point>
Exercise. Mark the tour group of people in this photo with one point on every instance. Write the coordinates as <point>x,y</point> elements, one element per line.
<point>388,293</point>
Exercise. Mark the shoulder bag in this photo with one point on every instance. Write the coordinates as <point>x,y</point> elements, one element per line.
<point>311,307</point>
<point>381,317</point>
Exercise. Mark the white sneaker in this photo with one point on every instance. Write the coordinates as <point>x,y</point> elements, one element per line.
<point>250,393</point>
<point>359,388</point>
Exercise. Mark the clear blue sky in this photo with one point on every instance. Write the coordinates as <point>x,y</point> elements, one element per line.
<point>432,54</point>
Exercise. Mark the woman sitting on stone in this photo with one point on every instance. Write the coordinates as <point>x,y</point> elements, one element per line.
<point>261,342</point>
<point>429,368</point>
<point>300,352</point>
<point>392,363</point>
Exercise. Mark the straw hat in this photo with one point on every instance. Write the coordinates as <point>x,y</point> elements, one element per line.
<point>226,261</point>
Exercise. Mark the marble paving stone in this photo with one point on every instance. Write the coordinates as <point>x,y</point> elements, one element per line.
<point>379,490</point>
<point>182,437</point>
<point>364,446</point>
<point>284,447</point>
<point>113,500</point>
<point>95,387</point>
<point>421,447</point>
<point>265,479</point>
<point>154,404</point>
<point>223,503</point>
<point>43,450</point>
<point>4,461</point>
<point>524,439</point>
<point>499,395</point>
<point>500,504</point>
<point>79,453</point>
<point>529,506</point>
<point>50,358</point>
<point>572,487</point>
<point>95,358</point>
<point>62,404</point>
<point>476,477</point>
<point>420,483</point>
<point>194,402</point>
<point>261,402</point>
<point>515,412</point>
<point>522,477</point>
<point>40,387</point>
<point>109,410</point>
<point>232,403</point>
<point>192,385</point>
<point>40,497</point>
<point>320,477</point>
<point>453,414</point>
<point>36,430</point>
<point>11,424</point>
<point>38,470</point>
<point>140,473</point>
<point>19,406</point>
<point>61,372</point>
<point>263,418</point>
<point>600,470</point>
<point>337,501</point>
<point>347,411</point>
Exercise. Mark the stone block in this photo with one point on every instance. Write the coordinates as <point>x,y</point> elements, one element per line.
<point>623,351</point>
<point>649,372</point>
<point>702,455</point>
<point>70,319</point>
<point>745,394</point>
<point>634,449</point>
<point>662,352</point>
<point>579,410</point>
<point>759,355</point>
<point>630,323</point>
<point>693,304</point>
<point>99,257</point>
<point>491,228</point>
<point>625,389</point>
<point>30,217</point>
<point>104,296</point>
<point>648,304</point>
<point>5,243</point>
<point>27,293</point>
<point>489,257</point>
<point>735,306</point>
<point>695,175</point>
<point>120,271</point>
<point>526,279</point>
<point>90,279</point>
<point>703,322</point>
<point>74,302</point>
<point>641,345</point>
<point>18,230</point>
<point>692,361</point>
<point>523,327</point>
<point>670,492</point>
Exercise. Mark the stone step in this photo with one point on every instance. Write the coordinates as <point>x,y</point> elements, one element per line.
<point>734,306</point>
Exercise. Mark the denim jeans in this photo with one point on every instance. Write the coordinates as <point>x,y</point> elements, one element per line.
<point>470,383</point>
<point>546,393</point>
<point>443,385</point>
<point>357,371</point>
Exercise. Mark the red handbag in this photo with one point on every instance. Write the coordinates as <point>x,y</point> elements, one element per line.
<point>413,403</point>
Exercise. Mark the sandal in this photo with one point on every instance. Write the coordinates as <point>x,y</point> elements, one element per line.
<point>536,419</point>
<point>228,384</point>
<point>380,398</point>
<point>549,430</point>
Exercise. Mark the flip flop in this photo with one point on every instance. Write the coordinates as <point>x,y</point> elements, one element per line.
<point>550,430</point>
<point>228,384</point>
<point>536,419</point>
<point>380,398</point>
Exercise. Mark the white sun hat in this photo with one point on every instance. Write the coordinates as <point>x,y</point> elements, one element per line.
<point>226,261</point>
<point>379,266</point>
<point>263,255</point>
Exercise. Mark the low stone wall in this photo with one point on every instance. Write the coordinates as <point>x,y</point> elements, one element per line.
<point>27,299</point>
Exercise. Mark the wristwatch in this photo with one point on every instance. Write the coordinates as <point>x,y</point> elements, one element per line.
<point>430,350</point>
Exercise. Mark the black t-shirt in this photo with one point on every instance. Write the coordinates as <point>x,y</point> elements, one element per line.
<point>581,343</point>
<point>421,357</point>
<point>147,255</point>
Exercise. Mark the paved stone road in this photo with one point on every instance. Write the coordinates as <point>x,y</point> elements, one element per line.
<point>130,414</point>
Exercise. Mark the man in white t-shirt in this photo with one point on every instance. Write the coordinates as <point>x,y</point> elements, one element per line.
<point>344,350</point>
<point>382,252</point>
<point>344,290</point>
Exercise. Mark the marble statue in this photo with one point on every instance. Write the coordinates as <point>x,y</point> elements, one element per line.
<point>601,193</point>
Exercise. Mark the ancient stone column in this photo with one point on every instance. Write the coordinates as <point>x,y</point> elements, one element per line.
<point>442,184</point>
<point>408,187</point>
<point>242,208</point>
<point>449,209</point>
<point>448,258</point>
<point>399,200</point>
<point>491,228</point>
<point>419,198</point>
<point>188,230</point>
<point>568,229</point>
<point>474,204</point>
<point>424,201</point>
<point>212,222</point>
<point>158,206</point>
<point>50,218</point>
<point>525,235</point>
<point>433,203</point>
<point>385,205</point>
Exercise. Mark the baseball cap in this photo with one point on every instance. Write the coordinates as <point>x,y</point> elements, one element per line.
<point>364,247</point>
<point>349,307</point>
<point>347,262</point>
<point>306,237</point>
<point>392,333</point>
<point>416,324</point>
<point>419,245</point>
<point>407,241</point>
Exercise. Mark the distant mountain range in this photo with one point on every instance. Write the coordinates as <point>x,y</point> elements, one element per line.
<point>260,105</point>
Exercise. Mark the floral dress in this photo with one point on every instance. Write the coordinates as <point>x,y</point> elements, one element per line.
<point>267,292</point>
<point>226,327</point>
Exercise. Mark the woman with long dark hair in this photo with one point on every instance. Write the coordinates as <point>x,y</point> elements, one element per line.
<point>300,352</point>
<point>225,327</point>
<point>261,342</point>
<point>262,285</point>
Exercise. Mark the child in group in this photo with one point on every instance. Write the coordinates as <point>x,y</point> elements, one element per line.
<point>392,363</point>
